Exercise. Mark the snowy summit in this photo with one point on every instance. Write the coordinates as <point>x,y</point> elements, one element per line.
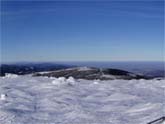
<point>33,100</point>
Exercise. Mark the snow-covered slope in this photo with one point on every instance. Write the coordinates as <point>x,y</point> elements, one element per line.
<point>42,100</point>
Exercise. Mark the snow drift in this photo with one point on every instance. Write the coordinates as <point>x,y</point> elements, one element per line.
<point>42,100</point>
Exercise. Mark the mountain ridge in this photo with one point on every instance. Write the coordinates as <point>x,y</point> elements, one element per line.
<point>92,73</point>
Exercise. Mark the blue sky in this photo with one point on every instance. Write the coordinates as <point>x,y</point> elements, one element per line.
<point>82,31</point>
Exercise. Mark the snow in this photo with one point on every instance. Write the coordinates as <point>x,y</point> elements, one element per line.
<point>2,96</point>
<point>56,82</point>
<point>40,100</point>
<point>62,80</point>
<point>108,76</point>
<point>95,82</point>
<point>84,69</point>
<point>59,81</point>
<point>71,81</point>
<point>44,72</point>
<point>8,75</point>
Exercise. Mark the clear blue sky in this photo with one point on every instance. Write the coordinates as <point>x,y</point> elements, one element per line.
<point>82,31</point>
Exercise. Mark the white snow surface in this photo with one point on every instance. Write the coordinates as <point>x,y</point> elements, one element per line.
<point>84,68</point>
<point>37,100</point>
<point>3,97</point>
<point>8,75</point>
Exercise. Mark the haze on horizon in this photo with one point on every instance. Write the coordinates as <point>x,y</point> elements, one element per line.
<point>82,31</point>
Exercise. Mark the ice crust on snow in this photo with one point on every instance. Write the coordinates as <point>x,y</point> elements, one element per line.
<point>37,100</point>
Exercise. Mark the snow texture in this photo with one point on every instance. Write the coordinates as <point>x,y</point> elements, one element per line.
<point>42,100</point>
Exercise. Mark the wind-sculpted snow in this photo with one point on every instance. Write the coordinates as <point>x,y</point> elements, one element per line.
<point>41,100</point>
